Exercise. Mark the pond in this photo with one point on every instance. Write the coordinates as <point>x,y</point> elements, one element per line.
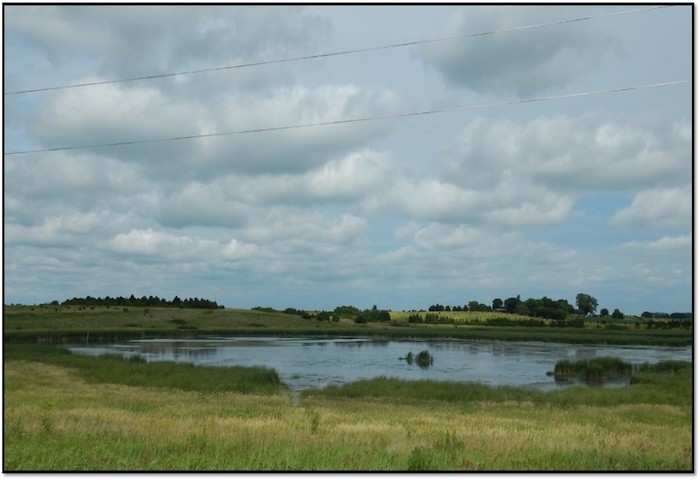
<point>314,362</point>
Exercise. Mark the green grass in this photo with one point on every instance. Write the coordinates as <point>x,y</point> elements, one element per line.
<point>594,370</point>
<point>69,324</point>
<point>651,388</point>
<point>137,372</point>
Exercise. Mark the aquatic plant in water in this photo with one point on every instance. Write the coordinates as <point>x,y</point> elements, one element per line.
<point>594,370</point>
<point>424,359</point>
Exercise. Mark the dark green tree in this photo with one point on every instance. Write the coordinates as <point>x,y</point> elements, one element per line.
<point>587,304</point>
<point>511,303</point>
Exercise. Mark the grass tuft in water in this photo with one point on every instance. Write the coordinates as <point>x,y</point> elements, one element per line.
<point>594,370</point>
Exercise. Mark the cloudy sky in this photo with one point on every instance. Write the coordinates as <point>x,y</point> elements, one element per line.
<point>588,193</point>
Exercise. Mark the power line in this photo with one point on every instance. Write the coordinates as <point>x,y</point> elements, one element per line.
<point>333,54</point>
<point>353,120</point>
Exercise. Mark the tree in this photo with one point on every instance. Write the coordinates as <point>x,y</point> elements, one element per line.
<point>511,303</point>
<point>497,303</point>
<point>617,314</point>
<point>604,312</point>
<point>587,304</point>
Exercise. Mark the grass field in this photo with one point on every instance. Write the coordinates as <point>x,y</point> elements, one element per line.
<point>62,324</point>
<point>63,412</point>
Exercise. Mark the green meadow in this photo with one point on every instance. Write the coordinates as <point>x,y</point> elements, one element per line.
<point>90,324</point>
<point>66,412</point>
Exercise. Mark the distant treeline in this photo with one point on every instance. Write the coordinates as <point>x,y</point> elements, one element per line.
<point>541,308</point>
<point>674,316</point>
<point>144,301</point>
<point>359,316</point>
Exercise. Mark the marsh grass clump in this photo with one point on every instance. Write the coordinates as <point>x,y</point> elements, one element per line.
<point>665,366</point>
<point>424,359</point>
<point>421,390</point>
<point>594,370</point>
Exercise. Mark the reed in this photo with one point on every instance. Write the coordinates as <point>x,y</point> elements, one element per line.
<point>594,370</point>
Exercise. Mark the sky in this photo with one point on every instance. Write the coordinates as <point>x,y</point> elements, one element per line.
<point>491,195</point>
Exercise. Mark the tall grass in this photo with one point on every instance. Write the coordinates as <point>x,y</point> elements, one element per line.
<point>593,370</point>
<point>137,372</point>
<point>653,388</point>
<point>55,420</point>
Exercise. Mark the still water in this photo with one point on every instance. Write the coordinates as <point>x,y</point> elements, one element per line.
<point>312,362</point>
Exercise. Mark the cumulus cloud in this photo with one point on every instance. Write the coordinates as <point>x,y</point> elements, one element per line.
<point>520,174</point>
<point>124,41</point>
<point>592,152</point>
<point>398,212</point>
<point>521,62</point>
<point>115,113</point>
<point>658,208</point>
<point>508,205</point>
<point>665,243</point>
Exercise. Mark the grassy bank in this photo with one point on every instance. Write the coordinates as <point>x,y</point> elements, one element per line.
<point>50,324</point>
<point>107,414</point>
<point>114,369</point>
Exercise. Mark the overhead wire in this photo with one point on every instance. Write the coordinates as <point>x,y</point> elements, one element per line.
<point>338,53</point>
<point>354,120</point>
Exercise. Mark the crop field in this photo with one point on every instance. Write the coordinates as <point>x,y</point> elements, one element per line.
<point>66,412</point>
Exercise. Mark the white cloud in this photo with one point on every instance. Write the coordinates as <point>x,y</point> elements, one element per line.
<point>286,230</point>
<point>525,62</point>
<point>398,212</point>
<point>658,208</point>
<point>118,113</point>
<point>123,41</point>
<point>162,246</point>
<point>592,152</point>
<point>512,201</point>
<point>665,243</point>
<point>343,179</point>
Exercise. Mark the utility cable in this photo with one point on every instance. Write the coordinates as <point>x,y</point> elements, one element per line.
<point>354,120</point>
<point>334,54</point>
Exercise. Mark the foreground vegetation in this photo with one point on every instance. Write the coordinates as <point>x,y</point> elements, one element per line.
<point>66,412</point>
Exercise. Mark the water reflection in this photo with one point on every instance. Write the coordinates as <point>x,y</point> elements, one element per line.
<point>304,362</point>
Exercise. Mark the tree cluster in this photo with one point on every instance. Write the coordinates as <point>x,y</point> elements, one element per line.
<point>144,301</point>
<point>542,308</point>
<point>373,315</point>
<point>538,308</point>
<point>345,311</point>
<point>472,306</point>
